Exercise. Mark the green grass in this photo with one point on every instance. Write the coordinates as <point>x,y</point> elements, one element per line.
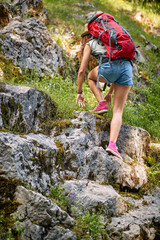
<point>90,226</point>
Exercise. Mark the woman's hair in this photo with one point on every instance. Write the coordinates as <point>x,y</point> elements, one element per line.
<point>85,38</point>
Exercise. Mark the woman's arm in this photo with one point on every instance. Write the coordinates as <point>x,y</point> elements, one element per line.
<point>83,67</point>
<point>81,74</point>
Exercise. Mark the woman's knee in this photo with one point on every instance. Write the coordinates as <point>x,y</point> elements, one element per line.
<point>90,80</point>
<point>118,111</point>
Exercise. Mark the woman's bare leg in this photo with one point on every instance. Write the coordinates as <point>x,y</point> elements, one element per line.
<point>92,81</point>
<point>120,96</point>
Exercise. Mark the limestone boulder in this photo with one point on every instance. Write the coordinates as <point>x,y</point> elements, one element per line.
<point>85,194</point>
<point>41,217</point>
<point>142,222</point>
<point>76,152</point>
<point>28,43</point>
<point>24,109</point>
<point>28,158</point>
<point>22,6</point>
<point>86,141</point>
<point>59,233</point>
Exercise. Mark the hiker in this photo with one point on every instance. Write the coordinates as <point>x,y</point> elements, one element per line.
<point>117,72</point>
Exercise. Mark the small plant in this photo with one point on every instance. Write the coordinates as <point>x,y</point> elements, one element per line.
<point>10,227</point>
<point>90,226</point>
<point>19,229</point>
<point>58,195</point>
<point>153,162</point>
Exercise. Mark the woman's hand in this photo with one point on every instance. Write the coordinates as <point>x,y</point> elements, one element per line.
<point>108,99</point>
<point>80,100</point>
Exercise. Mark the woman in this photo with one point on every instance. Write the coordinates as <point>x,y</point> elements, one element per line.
<point>118,73</point>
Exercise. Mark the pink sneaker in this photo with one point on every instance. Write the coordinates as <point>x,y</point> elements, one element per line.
<point>112,149</point>
<point>101,108</point>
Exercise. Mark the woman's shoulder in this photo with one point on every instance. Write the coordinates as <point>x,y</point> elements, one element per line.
<point>96,42</point>
<point>93,40</point>
<point>97,46</point>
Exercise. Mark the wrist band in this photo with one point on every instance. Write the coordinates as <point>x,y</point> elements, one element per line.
<point>79,92</point>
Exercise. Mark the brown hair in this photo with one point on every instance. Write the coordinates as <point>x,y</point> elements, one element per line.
<point>86,36</point>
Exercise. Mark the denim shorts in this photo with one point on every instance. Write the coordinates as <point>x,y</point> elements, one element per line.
<point>118,71</point>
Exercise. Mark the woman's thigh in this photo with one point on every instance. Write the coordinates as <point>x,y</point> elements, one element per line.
<point>120,96</point>
<point>93,74</point>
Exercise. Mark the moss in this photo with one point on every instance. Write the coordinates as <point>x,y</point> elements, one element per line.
<point>60,155</point>
<point>130,194</point>
<point>7,187</point>
<point>8,110</point>
<point>102,125</point>
<point>7,204</point>
<point>85,130</point>
<point>129,206</point>
<point>144,202</point>
<point>68,177</point>
<point>59,125</point>
<point>47,122</point>
<point>3,130</point>
<point>40,159</point>
<point>5,114</point>
<point>11,72</point>
<point>34,159</point>
<point>91,175</point>
<point>104,144</point>
<point>153,162</point>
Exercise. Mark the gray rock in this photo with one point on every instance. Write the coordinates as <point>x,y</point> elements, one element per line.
<point>141,58</point>
<point>36,158</point>
<point>149,45</point>
<point>143,221</point>
<point>59,233</point>
<point>40,216</point>
<point>90,195</point>
<point>85,145</point>
<point>134,141</point>
<point>30,158</point>
<point>25,109</point>
<point>23,5</point>
<point>152,47</point>
<point>32,231</point>
<point>28,43</point>
<point>39,209</point>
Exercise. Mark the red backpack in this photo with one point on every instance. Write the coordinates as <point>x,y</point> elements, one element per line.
<point>116,39</point>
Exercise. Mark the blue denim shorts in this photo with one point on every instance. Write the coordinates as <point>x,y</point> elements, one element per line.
<point>118,71</point>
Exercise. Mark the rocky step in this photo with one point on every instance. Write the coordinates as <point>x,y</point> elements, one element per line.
<point>142,222</point>
<point>42,218</point>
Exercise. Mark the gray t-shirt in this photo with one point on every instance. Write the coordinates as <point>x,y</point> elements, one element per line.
<point>98,47</point>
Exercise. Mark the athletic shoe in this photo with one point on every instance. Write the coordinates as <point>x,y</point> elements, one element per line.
<point>101,108</point>
<point>112,149</point>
